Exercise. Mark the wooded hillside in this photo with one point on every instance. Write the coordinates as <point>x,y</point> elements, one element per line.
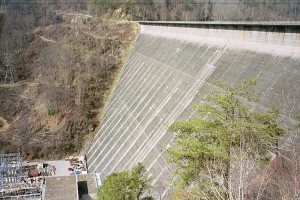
<point>57,68</point>
<point>204,10</point>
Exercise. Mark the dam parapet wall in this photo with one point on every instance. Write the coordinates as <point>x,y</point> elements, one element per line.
<point>281,33</point>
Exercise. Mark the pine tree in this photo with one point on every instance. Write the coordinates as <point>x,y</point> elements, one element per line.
<point>214,151</point>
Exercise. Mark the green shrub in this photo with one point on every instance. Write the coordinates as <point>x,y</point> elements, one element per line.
<point>127,6</point>
<point>129,185</point>
<point>90,114</point>
<point>51,111</point>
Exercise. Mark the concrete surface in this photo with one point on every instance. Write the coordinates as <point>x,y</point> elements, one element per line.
<point>70,187</point>
<point>90,180</point>
<point>61,188</point>
<point>61,167</point>
<point>170,70</point>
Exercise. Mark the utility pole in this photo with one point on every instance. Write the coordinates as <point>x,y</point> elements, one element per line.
<point>78,8</point>
<point>3,5</point>
<point>8,64</point>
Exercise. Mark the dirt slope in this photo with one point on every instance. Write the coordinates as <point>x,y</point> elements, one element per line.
<point>63,78</point>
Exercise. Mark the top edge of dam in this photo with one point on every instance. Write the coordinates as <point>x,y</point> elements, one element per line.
<point>224,23</point>
<point>262,36</point>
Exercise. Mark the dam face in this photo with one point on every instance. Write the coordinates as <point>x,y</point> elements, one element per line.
<point>172,67</point>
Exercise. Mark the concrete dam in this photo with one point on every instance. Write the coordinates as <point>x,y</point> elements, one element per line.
<point>172,67</point>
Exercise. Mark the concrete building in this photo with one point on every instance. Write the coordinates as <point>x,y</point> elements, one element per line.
<point>75,187</point>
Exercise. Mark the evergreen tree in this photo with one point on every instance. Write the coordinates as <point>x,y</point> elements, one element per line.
<point>214,151</point>
<point>125,185</point>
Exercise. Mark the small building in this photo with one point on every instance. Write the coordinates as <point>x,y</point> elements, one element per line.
<point>61,188</point>
<point>71,187</point>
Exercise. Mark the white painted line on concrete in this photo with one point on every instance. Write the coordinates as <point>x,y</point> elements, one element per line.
<point>115,116</point>
<point>120,126</point>
<point>135,116</point>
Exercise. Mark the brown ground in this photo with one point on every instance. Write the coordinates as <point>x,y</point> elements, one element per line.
<point>63,79</point>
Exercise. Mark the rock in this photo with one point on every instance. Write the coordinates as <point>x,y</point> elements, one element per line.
<point>91,128</point>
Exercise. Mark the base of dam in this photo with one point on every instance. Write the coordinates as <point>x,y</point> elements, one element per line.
<point>172,67</point>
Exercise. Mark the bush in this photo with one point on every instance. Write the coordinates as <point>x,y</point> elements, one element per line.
<point>89,115</point>
<point>128,6</point>
<point>129,185</point>
<point>51,111</point>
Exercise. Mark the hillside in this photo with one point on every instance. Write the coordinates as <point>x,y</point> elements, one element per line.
<point>62,79</point>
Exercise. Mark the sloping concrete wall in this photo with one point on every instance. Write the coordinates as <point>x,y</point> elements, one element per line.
<point>171,69</point>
